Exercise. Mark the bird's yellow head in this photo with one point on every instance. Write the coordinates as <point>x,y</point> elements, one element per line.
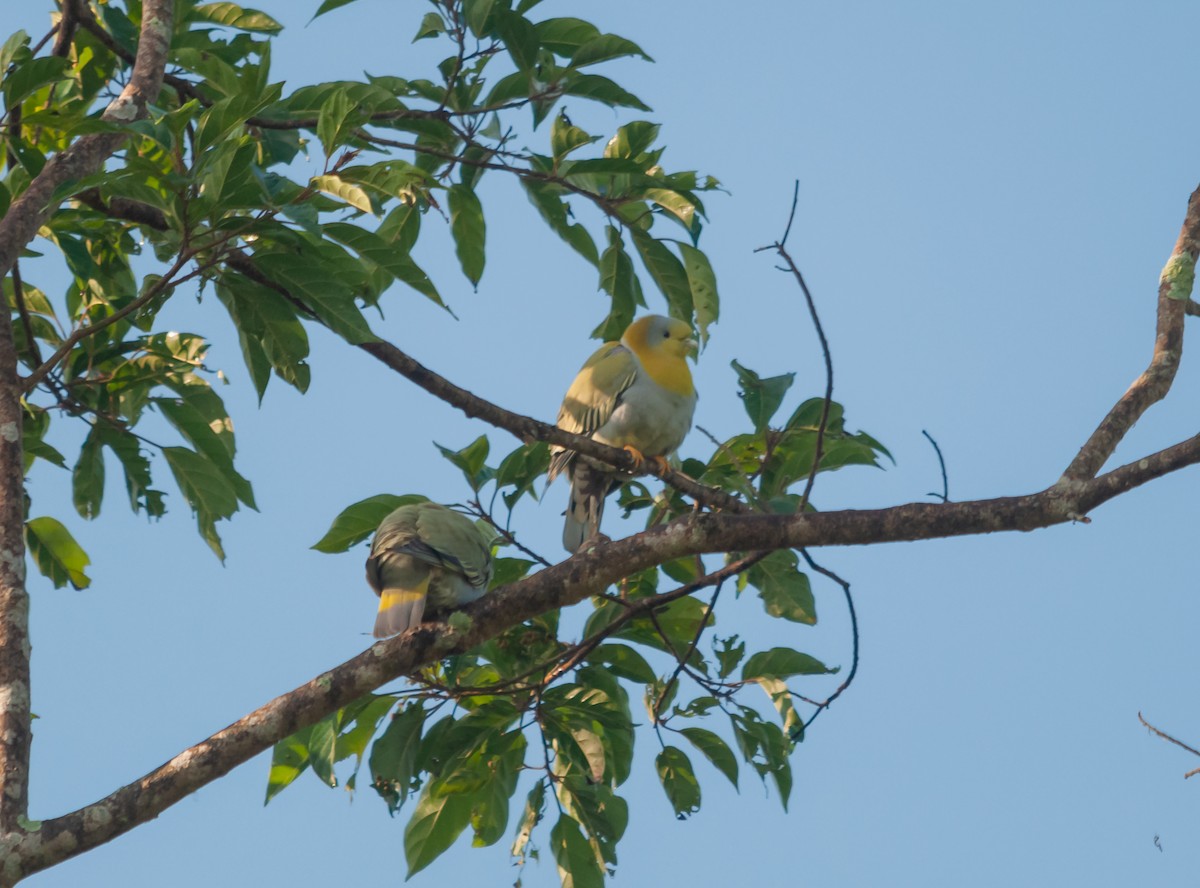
<point>656,334</point>
<point>663,345</point>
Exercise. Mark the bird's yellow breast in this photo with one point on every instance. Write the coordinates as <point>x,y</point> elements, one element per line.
<point>669,370</point>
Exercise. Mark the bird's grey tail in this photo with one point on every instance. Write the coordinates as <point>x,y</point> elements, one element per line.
<point>589,487</point>
<point>399,609</point>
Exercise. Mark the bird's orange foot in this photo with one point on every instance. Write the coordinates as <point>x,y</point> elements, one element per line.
<point>638,459</point>
<point>660,463</point>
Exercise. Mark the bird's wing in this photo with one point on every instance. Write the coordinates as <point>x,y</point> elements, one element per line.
<point>395,532</point>
<point>452,540</point>
<point>597,389</point>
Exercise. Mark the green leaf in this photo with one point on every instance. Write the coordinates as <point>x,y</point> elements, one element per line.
<point>703,283</point>
<point>761,397</point>
<point>784,590</point>
<point>623,661</point>
<point>322,742</point>
<point>476,13</point>
<point>57,556</point>
<point>678,781</point>
<point>438,820</point>
<point>319,279</point>
<point>565,137</point>
<point>632,140</point>
<point>577,865</point>
<point>358,521</point>
<point>781,699</point>
<point>136,466</point>
<point>470,461</point>
<point>390,256</point>
<point>535,806</point>
<point>13,46</point>
<point>467,227</point>
<point>765,747</point>
<point>556,213</point>
<point>715,750</point>
<point>521,470</point>
<point>489,815</point>
<point>603,90</point>
<point>200,417</point>
<point>519,36</point>
<point>33,435</point>
<point>563,36</point>
<point>365,713</point>
<point>330,5</point>
<point>431,26</point>
<point>270,336</point>
<point>233,16</point>
<point>87,478</point>
<point>781,662</point>
<point>729,652</point>
<point>29,76</point>
<point>667,272</point>
<point>206,490</point>
<point>683,209</point>
<point>332,120</point>
<point>509,570</point>
<point>289,759</point>
<point>393,760</point>
<point>605,47</point>
<point>619,280</point>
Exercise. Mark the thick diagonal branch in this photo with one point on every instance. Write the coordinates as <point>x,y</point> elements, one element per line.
<point>571,581</point>
<point>1174,292</point>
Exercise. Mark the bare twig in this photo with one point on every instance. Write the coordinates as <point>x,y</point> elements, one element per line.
<point>944,496</point>
<point>23,310</point>
<point>780,247</point>
<point>1168,737</point>
<point>821,707</point>
<point>688,653</point>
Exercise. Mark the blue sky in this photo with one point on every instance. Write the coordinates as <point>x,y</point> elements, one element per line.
<point>987,196</point>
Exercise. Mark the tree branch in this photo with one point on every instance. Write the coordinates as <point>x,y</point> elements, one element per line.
<point>87,155</point>
<point>528,429</point>
<point>15,732</point>
<point>569,582</point>
<point>17,228</point>
<point>1174,291</point>
<point>1167,736</point>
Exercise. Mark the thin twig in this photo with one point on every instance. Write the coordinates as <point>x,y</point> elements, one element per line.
<point>507,535</point>
<point>1167,736</point>
<point>780,248</point>
<point>23,311</point>
<point>821,707</point>
<point>944,496</point>
<point>688,653</point>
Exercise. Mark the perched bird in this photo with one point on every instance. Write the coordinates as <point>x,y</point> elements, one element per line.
<point>426,556</point>
<point>636,394</point>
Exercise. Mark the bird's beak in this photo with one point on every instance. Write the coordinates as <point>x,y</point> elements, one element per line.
<point>693,346</point>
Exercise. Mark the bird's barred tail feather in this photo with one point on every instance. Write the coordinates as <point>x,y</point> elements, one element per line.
<point>589,487</point>
<point>400,609</point>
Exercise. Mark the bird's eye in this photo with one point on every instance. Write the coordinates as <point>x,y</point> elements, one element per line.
<point>666,334</point>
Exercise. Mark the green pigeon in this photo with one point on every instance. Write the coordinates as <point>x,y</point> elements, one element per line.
<point>425,555</point>
<point>636,394</point>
